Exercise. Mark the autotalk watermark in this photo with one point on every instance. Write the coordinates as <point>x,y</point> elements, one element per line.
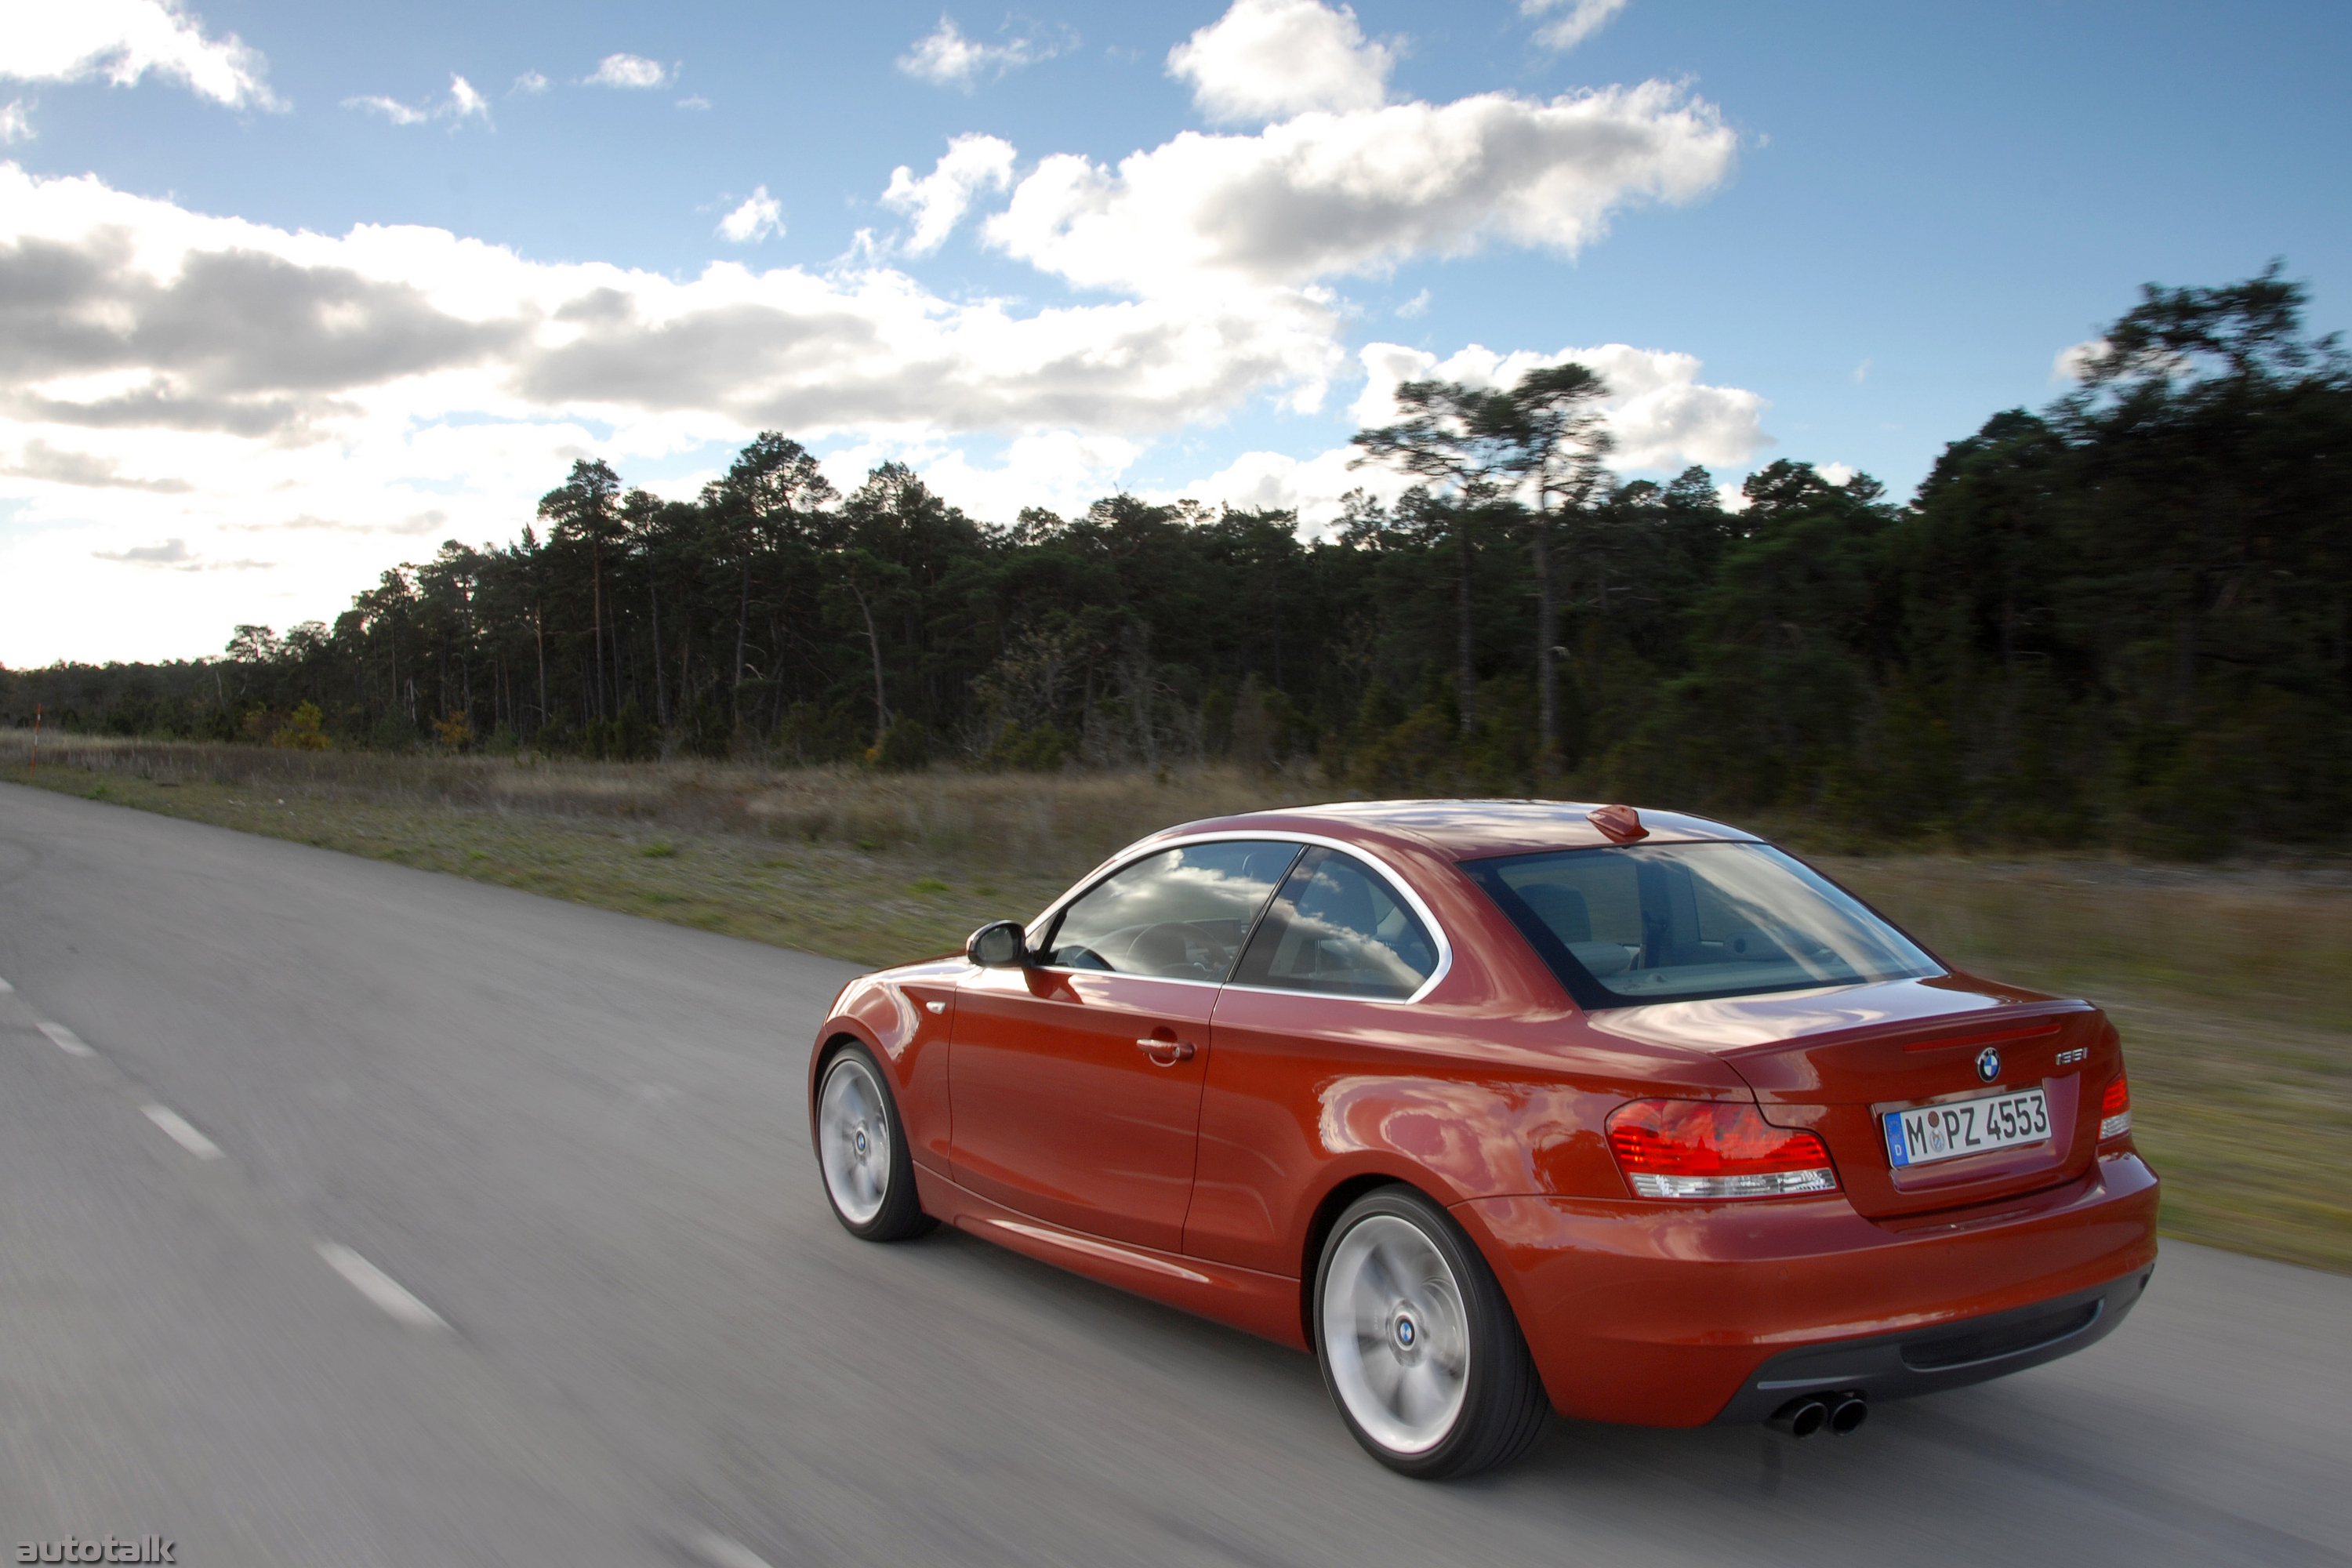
<point>98,1549</point>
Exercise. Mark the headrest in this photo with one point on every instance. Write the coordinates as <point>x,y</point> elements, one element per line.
<point>1560,907</point>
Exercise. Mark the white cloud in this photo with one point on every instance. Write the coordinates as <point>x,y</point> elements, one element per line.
<point>759,217</point>
<point>1386,365</point>
<point>941,198</point>
<point>1862,372</point>
<point>1416,306</point>
<point>529,82</point>
<point>206,378</point>
<point>123,40</point>
<point>2072,362</point>
<point>1357,192</point>
<point>463,103</point>
<point>1269,60</point>
<point>152,316</point>
<point>1583,18</point>
<point>1663,416</point>
<point>945,58</point>
<point>1664,420</point>
<point>37,460</point>
<point>15,124</point>
<point>171,553</point>
<point>175,554</point>
<point>694,101</point>
<point>391,109</point>
<point>1061,470</point>
<point>1313,487</point>
<point>630,71</point>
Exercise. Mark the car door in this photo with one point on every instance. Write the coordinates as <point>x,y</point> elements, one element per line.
<point>1312,1010</point>
<point>1075,1082</point>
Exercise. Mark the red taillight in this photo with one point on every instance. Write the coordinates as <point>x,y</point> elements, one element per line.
<point>2114,1109</point>
<point>1714,1149</point>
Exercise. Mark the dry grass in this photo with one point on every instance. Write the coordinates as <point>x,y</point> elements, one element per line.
<point>1067,822</point>
<point>872,866</point>
<point>2232,985</point>
<point>2275,940</point>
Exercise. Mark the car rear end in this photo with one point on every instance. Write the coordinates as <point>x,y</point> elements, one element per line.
<point>1669,1313</point>
<point>2003,1129</point>
<point>1933,1184</point>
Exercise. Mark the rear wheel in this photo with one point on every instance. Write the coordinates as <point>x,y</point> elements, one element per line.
<point>869,1176</point>
<point>1417,1344</point>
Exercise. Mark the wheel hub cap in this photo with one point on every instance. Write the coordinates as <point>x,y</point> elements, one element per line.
<point>1396,1335</point>
<point>853,1140</point>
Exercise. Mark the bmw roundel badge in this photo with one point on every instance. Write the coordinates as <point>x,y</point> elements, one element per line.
<point>1988,1063</point>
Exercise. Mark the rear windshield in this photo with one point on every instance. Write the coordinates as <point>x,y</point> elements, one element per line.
<point>1677,921</point>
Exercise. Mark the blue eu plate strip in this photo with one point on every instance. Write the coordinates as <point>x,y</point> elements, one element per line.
<point>1897,1150</point>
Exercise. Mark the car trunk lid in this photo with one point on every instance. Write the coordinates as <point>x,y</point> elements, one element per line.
<point>1835,1061</point>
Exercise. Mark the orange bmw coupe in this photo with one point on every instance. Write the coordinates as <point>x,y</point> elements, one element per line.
<point>1501,1108</point>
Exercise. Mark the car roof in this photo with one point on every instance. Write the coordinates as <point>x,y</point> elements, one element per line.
<point>1462,830</point>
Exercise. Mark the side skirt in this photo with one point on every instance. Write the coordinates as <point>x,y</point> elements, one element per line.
<point>1262,1304</point>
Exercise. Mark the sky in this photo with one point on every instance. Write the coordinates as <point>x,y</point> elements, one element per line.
<point>289,294</point>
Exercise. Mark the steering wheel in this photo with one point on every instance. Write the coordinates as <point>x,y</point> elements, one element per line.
<point>1168,951</point>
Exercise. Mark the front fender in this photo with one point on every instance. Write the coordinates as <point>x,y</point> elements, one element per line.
<point>905,1017</point>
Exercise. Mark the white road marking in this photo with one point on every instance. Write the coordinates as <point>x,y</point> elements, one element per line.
<point>185,1136</point>
<point>721,1553</point>
<point>66,1040</point>
<point>380,1288</point>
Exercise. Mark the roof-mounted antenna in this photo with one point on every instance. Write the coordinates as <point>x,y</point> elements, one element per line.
<point>1621,824</point>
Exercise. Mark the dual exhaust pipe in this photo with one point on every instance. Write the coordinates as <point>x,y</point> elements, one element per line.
<point>1841,1415</point>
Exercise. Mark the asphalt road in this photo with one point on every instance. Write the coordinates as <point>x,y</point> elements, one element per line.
<point>613,1321</point>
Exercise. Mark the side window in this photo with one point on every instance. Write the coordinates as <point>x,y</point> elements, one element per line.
<point>1337,927</point>
<point>1180,915</point>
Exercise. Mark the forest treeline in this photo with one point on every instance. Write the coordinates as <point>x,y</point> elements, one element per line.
<point>2122,619</point>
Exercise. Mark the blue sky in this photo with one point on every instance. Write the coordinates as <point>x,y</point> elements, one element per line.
<point>1843,234</point>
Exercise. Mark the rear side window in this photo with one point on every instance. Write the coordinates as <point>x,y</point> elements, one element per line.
<point>1337,927</point>
<point>1182,914</point>
<point>1677,921</point>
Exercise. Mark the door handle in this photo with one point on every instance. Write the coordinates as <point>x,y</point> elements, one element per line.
<point>1164,1053</point>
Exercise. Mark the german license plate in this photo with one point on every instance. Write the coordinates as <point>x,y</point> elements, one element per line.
<point>1927,1133</point>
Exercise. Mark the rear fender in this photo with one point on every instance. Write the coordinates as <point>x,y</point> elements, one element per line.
<point>1460,1140</point>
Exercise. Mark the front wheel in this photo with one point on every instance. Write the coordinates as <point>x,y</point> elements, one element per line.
<point>1418,1346</point>
<point>869,1175</point>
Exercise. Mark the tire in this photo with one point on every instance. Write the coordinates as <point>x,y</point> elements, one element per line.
<point>1418,1346</point>
<point>870,1174</point>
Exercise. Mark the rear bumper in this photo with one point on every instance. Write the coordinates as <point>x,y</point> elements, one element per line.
<point>1953,1356</point>
<point>1667,1315</point>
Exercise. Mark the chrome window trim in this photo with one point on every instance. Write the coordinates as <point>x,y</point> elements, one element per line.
<point>1397,883</point>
